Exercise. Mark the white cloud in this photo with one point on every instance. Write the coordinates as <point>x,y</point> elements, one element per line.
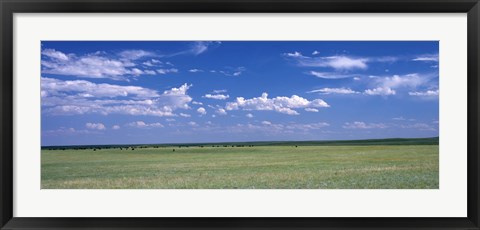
<point>217,91</point>
<point>83,97</point>
<point>335,62</point>
<point>95,126</point>
<point>427,58</point>
<point>136,71</point>
<point>249,115</point>
<point>184,115</point>
<point>293,126</point>
<point>231,72</point>
<point>200,47</point>
<point>397,81</point>
<point>202,111</point>
<point>311,126</point>
<point>116,127</point>
<point>331,75</point>
<point>389,85</point>
<point>311,110</point>
<point>216,96</point>
<point>389,59</point>
<point>279,104</point>
<point>152,63</point>
<point>52,86</point>
<point>294,54</point>
<point>399,119</point>
<point>363,125</point>
<point>55,54</point>
<point>135,54</point>
<point>192,123</point>
<point>197,48</point>
<point>142,124</point>
<point>96,65</point>
<point>383,91</point>
<point>274,128</point>
<point>88,67</point>
<point>334,91</point>
<point>428,93</point>
<point>221,112</point>
<point>149,72</point>
<point>419,126</point>
<point>197,103</point>
<point>62,131</point>
<point>165,71</point>
<point>195,70</point>
<point>344,62</point>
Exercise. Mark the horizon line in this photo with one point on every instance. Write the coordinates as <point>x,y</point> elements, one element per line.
<point>231,142</point>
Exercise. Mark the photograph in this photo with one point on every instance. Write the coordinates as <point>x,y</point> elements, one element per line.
<point>259,114</point>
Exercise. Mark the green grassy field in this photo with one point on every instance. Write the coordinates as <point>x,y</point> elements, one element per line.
<point>256,167</point>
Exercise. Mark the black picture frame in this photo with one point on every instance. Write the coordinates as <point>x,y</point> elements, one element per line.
<point>9,7</point>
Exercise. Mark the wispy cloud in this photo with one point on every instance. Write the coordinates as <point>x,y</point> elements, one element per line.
<point>334,91</point>
<point>63,131</point>
<point>153,62</point>
<point>426,58</point>
<point>311,110</point>
<point>202,46</point>
<point>166,71</point>
<point>428,93</point>
<point>197,48</point>
<point>135,54</point>
<point>219,91</point>
<point>339,62</point>
<point>419,126</point>
<point>195,71</point>
<point>96,65</point>
<point>271,127</point>
<point>331,75</point>
<point>55,54</point>
<point>142,124</point>
<point>87,89</point>
<point>232,72</point>
<point>363,125</point>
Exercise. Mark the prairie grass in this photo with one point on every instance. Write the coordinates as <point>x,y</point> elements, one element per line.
<point>257,167</point>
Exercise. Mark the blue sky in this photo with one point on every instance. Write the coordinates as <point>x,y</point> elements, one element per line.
<point>134,92</point>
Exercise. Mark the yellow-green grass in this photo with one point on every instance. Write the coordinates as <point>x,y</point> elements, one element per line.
<point>257,167</point>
